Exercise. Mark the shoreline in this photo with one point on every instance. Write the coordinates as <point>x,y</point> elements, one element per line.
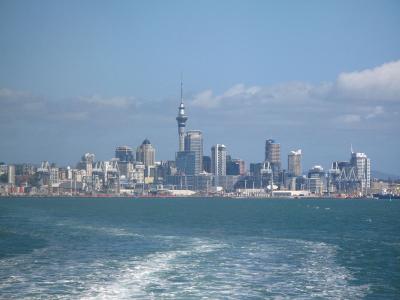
<point>185,197</point>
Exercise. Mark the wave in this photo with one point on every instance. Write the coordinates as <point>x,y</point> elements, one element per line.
<point>145,279</point>
<point>112,231</point>
<point>231,267</point>
<point>273,268</point>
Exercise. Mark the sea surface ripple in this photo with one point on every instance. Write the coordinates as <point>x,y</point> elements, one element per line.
<point>71,248</point>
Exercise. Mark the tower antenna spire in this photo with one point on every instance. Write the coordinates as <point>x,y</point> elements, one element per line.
<point>351,148</point>
<point>181,89</point>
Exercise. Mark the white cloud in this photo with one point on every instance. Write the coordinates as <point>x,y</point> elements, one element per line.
<point>20,103</point>
<point>375,112</point>
<point>353,97</point>
<point>348,118</point>
<point>8,93</point>
<point>73,116</point>
<point>378,84</point>
<point>205,99</point>
<point>239,94</point>
<point>116,102</point>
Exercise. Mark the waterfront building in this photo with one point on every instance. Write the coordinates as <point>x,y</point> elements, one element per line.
<point>43,173</point>
<point>124,154</point>
<point>54,175</point>
<point>273,156</point>
<point>235,166</point>
<point>342,178</point>
<point>164,169</point>
<point>218,160</point>
<point>24,169</point>
<point>351,177</point>
<point>255,169</point>
<point>145,153</point>
<point>242,165</point>
<point>252,182</point>
<point>11,174</point>
<point>194,143</point>
<point>124,168</point>
<point>272,151</point>
<point>186,162</point>
<point>202,182</point>
<point>3,169</point>
<point>86,163</point>
<point>316,178</point>
<point>181,119</point>
<point>362,166</point>
<point>294,163</point>
<point>227,182</point>
<point>136,173</point>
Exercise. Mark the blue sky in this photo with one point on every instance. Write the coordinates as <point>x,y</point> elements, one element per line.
<point>86,76</point>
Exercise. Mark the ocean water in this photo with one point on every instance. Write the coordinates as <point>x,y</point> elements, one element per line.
<point>120,248</point>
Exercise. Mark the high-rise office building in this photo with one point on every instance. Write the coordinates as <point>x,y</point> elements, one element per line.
<point>273,156</point>
<point>189,158</point>
<point>218,160</point>
<point>181,119</point>
<point>124,154</point>
<point>272,152</point>
<point>194,143</point>
<point>145,153</point>
<point>294,163</point>
<point>362,166</point>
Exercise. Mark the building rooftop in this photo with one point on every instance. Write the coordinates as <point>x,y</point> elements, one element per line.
<point>146,142</point>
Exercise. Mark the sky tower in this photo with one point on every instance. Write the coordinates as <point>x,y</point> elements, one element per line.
<point>181,119</point>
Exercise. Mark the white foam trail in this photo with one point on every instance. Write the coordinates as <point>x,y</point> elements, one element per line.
<point>274,268</point>
<point>235,268</point>
<point>143,279</point>
<point>113,231</point>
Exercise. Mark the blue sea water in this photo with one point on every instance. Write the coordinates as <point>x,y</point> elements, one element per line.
<point>120,248</point>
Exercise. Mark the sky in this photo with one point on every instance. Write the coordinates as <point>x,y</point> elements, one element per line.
<point>87,76</point>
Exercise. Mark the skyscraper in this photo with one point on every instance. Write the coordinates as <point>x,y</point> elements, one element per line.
<point>194,143</point>
<point>273,156</point>
<point>362,166</point>
<point>145,153</point>
<point>181,119</point>
<point>272,152</point>
<point>218,160</point>
<point>124,154</point>
<point>294,163</point>
<point>190,161</point>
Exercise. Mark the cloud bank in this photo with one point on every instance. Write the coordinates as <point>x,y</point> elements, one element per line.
<point>354,97</point>
<point>358,106</point>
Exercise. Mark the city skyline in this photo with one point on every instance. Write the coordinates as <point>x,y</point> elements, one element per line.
<point>67,87</point>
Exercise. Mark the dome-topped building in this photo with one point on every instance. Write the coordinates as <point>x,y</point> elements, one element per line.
<point>146,153</point>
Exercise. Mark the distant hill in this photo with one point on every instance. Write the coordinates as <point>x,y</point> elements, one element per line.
<point>384,176</point>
